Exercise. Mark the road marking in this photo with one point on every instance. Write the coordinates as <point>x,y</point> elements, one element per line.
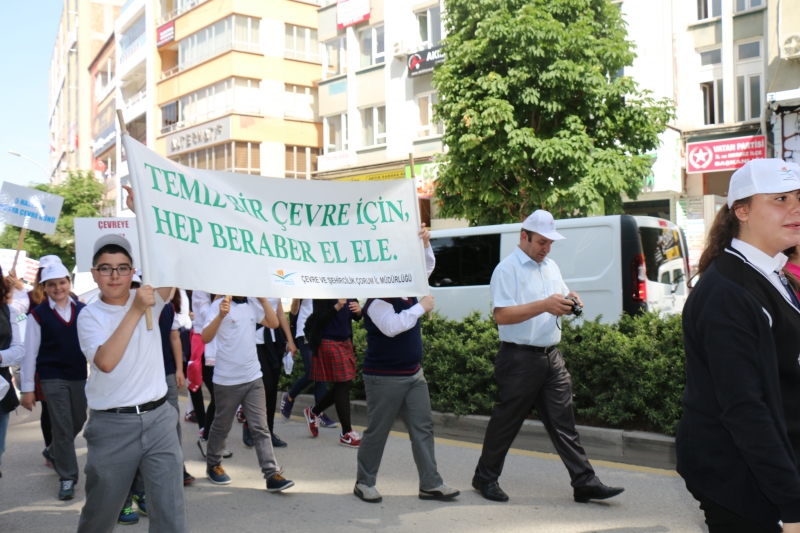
<point>528,453</point>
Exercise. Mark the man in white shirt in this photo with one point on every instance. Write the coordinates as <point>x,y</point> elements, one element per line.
<point>130,424</point>
<point>237,381</point>
<point>529,297</point>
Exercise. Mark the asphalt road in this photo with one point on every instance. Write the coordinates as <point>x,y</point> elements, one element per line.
<point>655,501</point>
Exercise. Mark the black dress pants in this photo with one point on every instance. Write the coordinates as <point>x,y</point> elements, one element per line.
<point>527,378</point>
<point>270,375</point>
<point>721,520</point>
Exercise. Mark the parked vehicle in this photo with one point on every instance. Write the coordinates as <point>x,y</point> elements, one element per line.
<point>617,264</point>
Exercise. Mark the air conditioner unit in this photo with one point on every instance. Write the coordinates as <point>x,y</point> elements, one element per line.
<point>791,47</point>
<point>399,50</point>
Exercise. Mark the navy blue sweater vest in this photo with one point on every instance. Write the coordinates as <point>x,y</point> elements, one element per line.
<point>60,355</point>
<point>400,355</point>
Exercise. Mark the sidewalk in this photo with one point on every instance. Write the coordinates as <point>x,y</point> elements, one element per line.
<point>541,497</point>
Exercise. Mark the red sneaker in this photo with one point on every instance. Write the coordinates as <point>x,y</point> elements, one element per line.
<point>311,420</point>
<point>240,415</point>
<point>350,439</point>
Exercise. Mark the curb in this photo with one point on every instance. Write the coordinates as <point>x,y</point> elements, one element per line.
<point>630,447</point>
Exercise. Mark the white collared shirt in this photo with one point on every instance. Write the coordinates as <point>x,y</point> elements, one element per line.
<point>33,340</point>
<point>236,359</point>
<point>769,266</point>
<point>138,378</point>
<point>13,355</point>
<point>520,280</point>
<point>201,301</point>
<point>383,315</point>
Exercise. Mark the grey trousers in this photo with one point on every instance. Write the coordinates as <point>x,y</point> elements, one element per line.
<point>172,399</point>
<point>119,444</point>
<point>528,379</point>
<point>253,400</point>
<point>386,397</point>
<point>66,403</point>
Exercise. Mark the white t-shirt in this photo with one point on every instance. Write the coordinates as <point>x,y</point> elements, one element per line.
<point>306,308</point>
<point>236,356</point>
<point>139,376</point>
<point>183,317</point>
<point>200,302</point>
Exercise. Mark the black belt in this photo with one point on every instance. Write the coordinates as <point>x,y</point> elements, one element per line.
<point>138,409</point>
<point>529,348</point>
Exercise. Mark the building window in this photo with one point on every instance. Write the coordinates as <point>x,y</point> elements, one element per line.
<point>465,261</point>
<point>335,57</point>
<point>429,23</point>
<point>713,102</point>
<point>301,43</point>
<point>711,57</point>
<point>372,49</point>
<point>427,126</point>
<point>239,95</point>
<point>744,5</point>
<point>104,79</point>
<point>231,33</point>
<point>749,69</point>
<point>301,161</point>
<point>242,157</point>
<point>373,125</point>
<point>300,102</point>
<point>707,9</point>
<point>335,133</point>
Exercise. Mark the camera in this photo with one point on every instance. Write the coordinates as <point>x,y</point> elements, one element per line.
<point>576,307</point>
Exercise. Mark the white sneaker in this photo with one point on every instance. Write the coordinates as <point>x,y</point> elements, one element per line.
<point>441,493</point>
<point>226,453</point>
<point>367,494</point>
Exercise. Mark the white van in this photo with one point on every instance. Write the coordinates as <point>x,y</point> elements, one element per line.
<point>616,263</point>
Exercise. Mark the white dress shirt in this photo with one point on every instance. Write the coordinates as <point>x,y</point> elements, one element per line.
<point>383,315</point>
<point>769,266</point>
<point>33,340</point>
<point>15,353</point>
<point>520,280</point>
<point>138,378</point>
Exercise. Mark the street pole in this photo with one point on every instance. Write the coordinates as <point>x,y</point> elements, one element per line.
<point>12,152</point>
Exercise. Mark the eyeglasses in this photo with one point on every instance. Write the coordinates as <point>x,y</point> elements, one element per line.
<point>107,270</point>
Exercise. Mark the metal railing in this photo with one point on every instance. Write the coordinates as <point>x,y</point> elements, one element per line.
<point>178,11</point>
<point>233,45</point>
<point>302,56</point>
<point>136,98</point>
<point>194,119</point>
<point>132,48</point>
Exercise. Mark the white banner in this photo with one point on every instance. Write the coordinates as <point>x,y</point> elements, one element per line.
<point>7,259</point>
<point>29,208</point>
<point>250,235</point>
<point>88,230</point>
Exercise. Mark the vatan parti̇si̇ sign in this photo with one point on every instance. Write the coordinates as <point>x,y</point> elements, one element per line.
<point>249,235</point>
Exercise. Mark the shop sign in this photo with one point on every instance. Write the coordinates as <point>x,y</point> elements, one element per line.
<point>165,34</point>
<point>423,62</point>
<point>425,175</point>
<point>351,12</point>
<point>726,154</point>
<point>207,134</point>
<point>376,176</point>
<point>336,160</point>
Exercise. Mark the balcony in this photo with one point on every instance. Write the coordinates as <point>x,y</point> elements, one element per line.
<point>301,56</point>
<point>134,47</point>
<point>188,5</point>
<point>235,45</point>
<point>242,109</point>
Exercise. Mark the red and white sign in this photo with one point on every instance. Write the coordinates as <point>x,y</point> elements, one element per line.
<point>165,34</point>
<point>88,230</point>
<point>727,154</point>
<point>351,12</point>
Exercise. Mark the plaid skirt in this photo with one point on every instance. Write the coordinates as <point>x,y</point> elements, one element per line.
<point>38,390</point>
<point>334,361</point>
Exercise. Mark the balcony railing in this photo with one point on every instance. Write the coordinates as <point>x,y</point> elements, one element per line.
<point>302,56</point>
<point>136,98</point>
<point>235,45</point>
<point>133,48</point>
<point>209,115</point>
<point>178,11</point>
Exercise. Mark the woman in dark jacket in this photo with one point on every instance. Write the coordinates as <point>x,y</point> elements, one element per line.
<point>739,436</point>
<point>12,351</point>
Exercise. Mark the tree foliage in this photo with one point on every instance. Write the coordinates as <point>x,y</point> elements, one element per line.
<point>534,113</point>
<point>83,196</point>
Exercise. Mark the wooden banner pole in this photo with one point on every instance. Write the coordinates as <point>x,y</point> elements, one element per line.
<point>20,242</point>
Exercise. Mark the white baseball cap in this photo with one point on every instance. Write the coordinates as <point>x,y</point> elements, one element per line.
<point>542,222</point>
<point>48,260</point>
<point>137,276</point>
<point>763,176</point>
<point>113,238</point>
<point>54,271</point>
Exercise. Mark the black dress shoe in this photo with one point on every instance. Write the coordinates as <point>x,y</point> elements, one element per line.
<point>601,492</point>
<point>490,490</point>
<point>277,442</point>
<point>188,479</point>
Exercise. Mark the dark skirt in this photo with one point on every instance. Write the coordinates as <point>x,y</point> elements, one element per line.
<point>334,361</point>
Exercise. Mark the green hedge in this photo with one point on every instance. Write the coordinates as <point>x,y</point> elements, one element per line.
<point>627,375</point>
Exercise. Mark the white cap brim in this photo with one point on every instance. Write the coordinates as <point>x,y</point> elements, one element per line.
<point>113,238</point>
<point>54,271</point>
<point>552,235</point>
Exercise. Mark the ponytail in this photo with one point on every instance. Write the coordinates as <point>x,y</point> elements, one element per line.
<point>722,232</point>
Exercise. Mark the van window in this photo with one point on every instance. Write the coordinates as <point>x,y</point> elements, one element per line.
<point>659,245</point>
<point>465,261</point>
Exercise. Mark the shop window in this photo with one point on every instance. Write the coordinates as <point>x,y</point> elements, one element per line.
<point>373,125</point>
<point>242,157</point>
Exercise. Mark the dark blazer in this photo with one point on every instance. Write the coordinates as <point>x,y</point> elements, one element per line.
<point>742,341</point>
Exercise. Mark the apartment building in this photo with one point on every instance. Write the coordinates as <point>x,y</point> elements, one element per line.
<point>83,30</point>
<point>103,104</point>
<point>376,93</point>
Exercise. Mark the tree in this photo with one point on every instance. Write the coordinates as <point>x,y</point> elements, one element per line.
<point>82,195</point>
<point>535,114</point>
